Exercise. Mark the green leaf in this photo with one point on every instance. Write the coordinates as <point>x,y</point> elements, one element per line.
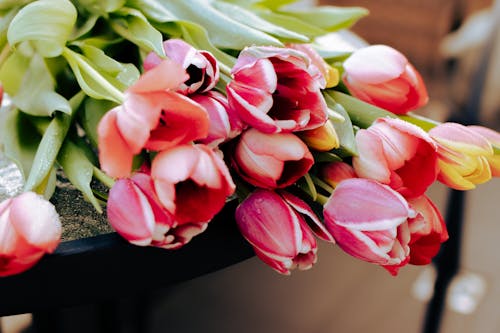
<point>19,138</point>
<point>124,73</point>
<point>224,31</point>
<point>275,4</point>
<point>48,185</point>
<point>101,7</point>
<point>344,129</point>
<point>95,81</point>
<point>31,85</point>
<point>153,10</point>
<point>46,23</point>
<point>326,157</point>
<point>92,112</point>
<point>328,18</point>
<point>79,170</point>
<point>47,150</point>
<point>252,20</point>
<point>361,113</point>
<point>131,24</point>
<point>291,23</point>
<point>49,146</point>
<point>9,4</point>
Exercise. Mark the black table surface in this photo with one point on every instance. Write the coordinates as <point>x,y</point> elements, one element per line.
<point>106,267</point>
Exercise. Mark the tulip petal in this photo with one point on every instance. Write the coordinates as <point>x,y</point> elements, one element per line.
<point>167,75</point>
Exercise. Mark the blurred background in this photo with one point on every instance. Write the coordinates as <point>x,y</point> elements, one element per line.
<point>445,40</point>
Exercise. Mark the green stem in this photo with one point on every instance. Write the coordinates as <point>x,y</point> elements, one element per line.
<point>321,199</point>
<point>116,94</point>
<point>103,178</point>
<point>322,184</point>
<point>4,55</point>
<point>424,123</point>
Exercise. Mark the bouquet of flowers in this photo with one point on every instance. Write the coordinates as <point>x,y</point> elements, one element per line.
<point>179,106</point>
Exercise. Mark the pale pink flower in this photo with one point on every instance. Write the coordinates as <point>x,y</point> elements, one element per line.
<point>368,220</point>
<point>152,116</point>
<point>398,154</point>
<point>382,76</point>
<point>201,66</point>
<point>275,225</point>
<point>494,138</point>
<point>273,91</point>
<point>29,228</point>
<point>271,160</point>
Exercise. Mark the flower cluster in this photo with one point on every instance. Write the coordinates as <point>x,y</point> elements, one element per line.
<point>313,146</point>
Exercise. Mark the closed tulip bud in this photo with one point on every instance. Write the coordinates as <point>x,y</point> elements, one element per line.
<point>398,154</point>
<point>29,228</point>
<point>274,224</point>
<point>323,138</point>
<point>494,138</point>
<point>333,173</point>
<point>271,160</point>
<point>368,220</point>
<point>463,156</point>
<point>382,76</point>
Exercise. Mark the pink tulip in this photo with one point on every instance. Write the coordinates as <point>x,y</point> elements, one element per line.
<point>398,154</point>
<point>275,226</point>
<point>29,228</point>
<point>494,138</point>
<point>334,172</point>
<point>382,76</point>
<point>368,221</point>
<point>326,75</point>
<point>224,123</point>
<point>152,116</point>
<point>273,91</point>
<point>201,66</point>
<point>136,213</point>
<point>463,156</point>
<point>271,160</point>
<point>427,230</point>
<point>192,182</point>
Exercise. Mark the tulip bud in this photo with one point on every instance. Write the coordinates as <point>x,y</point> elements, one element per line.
<point>382,76</point>
<point>368,220</point>
<point>334,172</point>
<point>271,160</point>
<point>462,156</point>
<point>29,228</point>
<point>323,138</point>
<point>494,138</point>
<point>275,226</point>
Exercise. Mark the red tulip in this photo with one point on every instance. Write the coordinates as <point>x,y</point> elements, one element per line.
<point>335,172</point>
<point>326,75</point>
<point>398,154</point>
<point>152,116</point>
<point>29,228</point>
<point>382,76</point>
<point>271,160</point>
<point>427,230</point>
<point>201,66</point>
<point>368,220</point>
<point>275,226</point>
<point>273,91</point>
<point>192,182</point>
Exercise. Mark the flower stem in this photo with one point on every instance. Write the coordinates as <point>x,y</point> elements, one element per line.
<point>321,199</point>
<point>322,184</point>
<point>103,178</point>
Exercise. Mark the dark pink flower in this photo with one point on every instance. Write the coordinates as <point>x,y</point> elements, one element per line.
<point>382,76</point>
<point>192,182</point>
<point>275,225</point>
<point>271,160</point>
<point>201,66</point>
<point>398,154</point>
<point>273,90</point>
<point>29,228</point>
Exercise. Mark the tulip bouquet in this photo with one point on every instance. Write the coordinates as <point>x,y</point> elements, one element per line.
<point>179,106</point>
